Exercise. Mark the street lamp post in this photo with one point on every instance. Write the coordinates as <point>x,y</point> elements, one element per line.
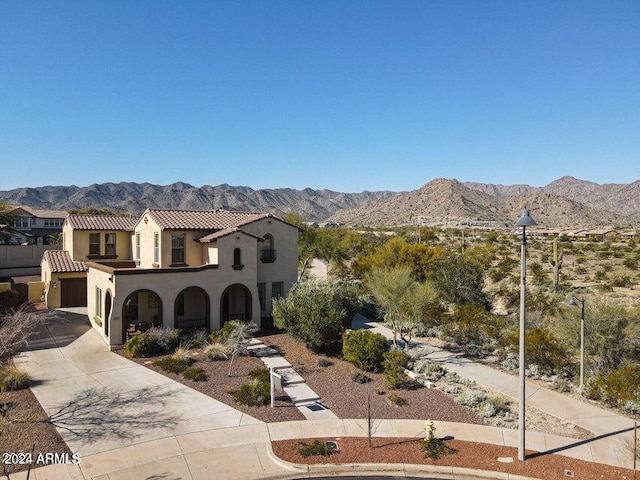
<point>573,303</point>
<point>524,221</point>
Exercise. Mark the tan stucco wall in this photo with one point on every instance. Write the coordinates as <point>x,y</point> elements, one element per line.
<point>147,227</point>
<point>80,244</point>
<point>285,267</point>
<point>100,279</point>
<point>36,291</point>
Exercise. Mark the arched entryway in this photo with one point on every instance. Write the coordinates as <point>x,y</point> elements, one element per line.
<point>141,310</point>
<point>191,310</point>
<point>107,313</point>
<point>235,304</point>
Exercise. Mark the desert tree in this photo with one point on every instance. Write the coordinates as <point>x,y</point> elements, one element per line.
<point>17,327</point>
<point>238,339</point>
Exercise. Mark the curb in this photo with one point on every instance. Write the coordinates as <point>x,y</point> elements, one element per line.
<point>397,469</point>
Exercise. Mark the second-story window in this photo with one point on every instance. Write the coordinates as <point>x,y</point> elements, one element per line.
<point>177,248</point>
<point>156,247</point>
<point>110,244</point>
<point>268,253</point>
<point>237,259</point>
<point>137,245</point>
<point>94,244</point>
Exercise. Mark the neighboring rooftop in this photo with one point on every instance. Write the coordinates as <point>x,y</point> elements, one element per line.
<point>40,213</point>
<point>202,219</point>
<point>224,233</point>
<point>60,262</point>
<point>102,222</point>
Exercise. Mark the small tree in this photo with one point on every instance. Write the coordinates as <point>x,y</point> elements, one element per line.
<point>17,327</point>
<point>239,338</point>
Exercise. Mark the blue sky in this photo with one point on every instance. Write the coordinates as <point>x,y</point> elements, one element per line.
<point>345,95</point>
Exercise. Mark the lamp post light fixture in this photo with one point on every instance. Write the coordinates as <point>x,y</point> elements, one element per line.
<point>573,303</point>
<point>524,221</point>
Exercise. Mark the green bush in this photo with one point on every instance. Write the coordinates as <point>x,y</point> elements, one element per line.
<point>397,400</point>
<point>394,364</point>
<point>618,386</point>
<point>364,349</point>
<point>317,313</point>
<point>434,448</point>
<point>12,378</point>
<point>359,377</point>
<point>173,364</point>
<point>315,448</point>
<point>141,345</point>
<point>195,373</point>
<point>254,394</point>
<point>222,335</point>
<point>544,349</point>
<point>260,374</point>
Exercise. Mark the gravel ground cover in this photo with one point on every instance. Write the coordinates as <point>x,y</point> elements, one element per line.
<point>479,456</point>
<point>23,429</point>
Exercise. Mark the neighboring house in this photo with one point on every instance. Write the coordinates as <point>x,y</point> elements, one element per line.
<point>34,226</point>
<point>174,268</point>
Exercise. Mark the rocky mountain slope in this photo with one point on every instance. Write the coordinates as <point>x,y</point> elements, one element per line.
<point>136,197</point>
<point>449,202</point>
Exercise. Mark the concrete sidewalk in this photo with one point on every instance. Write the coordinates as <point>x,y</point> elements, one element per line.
<point>576,411</point>
<point>132,423</point>
<point>244,453</point>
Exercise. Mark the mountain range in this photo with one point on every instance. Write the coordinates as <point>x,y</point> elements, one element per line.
<point>566,202</point>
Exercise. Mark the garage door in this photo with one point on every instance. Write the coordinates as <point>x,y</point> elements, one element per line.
<point>73,292</point>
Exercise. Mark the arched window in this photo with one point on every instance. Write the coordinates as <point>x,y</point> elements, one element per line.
<point>237,259</point>
<point>268,254</point>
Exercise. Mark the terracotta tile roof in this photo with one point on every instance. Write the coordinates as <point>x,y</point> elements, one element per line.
<point>224,233</point>
<point>60,262</point>
<point>202,219</point>
<point>102,222</point>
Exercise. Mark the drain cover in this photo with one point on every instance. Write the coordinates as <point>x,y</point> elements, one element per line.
<point>316,407</point>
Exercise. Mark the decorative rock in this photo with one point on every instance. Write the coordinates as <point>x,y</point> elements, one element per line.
<point>505,459</point>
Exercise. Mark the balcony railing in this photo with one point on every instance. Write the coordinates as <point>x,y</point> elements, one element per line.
<point>268,255</point>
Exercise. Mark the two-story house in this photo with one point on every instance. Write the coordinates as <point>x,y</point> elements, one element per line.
<point>175,268</point>
<point>32,226</point>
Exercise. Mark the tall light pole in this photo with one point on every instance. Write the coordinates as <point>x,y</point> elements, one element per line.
<point>572,303</point>
<point>524,221</point>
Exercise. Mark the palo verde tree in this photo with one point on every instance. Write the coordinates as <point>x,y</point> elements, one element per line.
<point>404,303</point>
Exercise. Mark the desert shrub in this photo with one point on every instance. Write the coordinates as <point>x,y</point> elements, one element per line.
<point>222,335</point>
<point>166,338</point>
<point>199,338</point>
<point>621,281</point>
<point>9,298</point>
<point>618,386</point>
<point>182,351</point>
<point>395,361</point>
<point>194,373</point>
<point>260,374</point>
<point>434,448</point>
<point>397,400</point>
<point>315,448</point>
<point>141,345</point>
<point>364,349</point>
<point>173,364</point>
<point>430,369</point>
<point>544,350</point>
<point>317,313</point>
<point>323,361</point>
<point>487,410</point>
<point>217,351</point>
<point>254,394</point>
<point>630,263</point>
<point>499,403</point>
<point>472,398</point>
<point>359,377</point>
<point>13,378</point>
<point>472,324</point>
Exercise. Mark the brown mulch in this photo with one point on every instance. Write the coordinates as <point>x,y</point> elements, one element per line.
<point>480,456</point>
<point>218,381</point>
<point>349,400</point>
<point>22,425</point>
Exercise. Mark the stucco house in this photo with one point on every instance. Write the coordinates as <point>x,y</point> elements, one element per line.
<point>32,226</point>
<point>181,269</point>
